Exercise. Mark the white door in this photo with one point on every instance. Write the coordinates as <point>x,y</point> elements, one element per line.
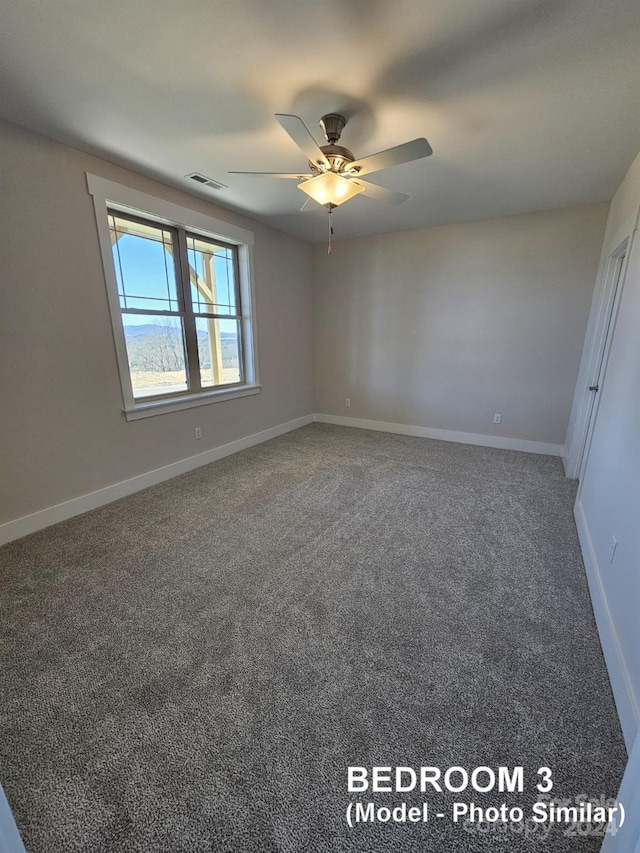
<point>607,323</point>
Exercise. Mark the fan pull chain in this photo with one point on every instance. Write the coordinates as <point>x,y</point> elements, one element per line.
<point>330,230</point>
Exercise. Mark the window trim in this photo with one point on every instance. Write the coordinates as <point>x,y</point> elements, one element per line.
<point>108,194</point>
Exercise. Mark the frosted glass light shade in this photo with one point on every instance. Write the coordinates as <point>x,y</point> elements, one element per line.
<point>330,188</point>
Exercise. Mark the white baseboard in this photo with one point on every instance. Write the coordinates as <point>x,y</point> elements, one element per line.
<point>621,684</point>
<point>76,506</point>
<point>446,435</point>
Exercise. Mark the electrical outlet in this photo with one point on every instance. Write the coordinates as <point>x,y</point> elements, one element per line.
<point>347,402</point>
<point>612,548</point>
<point>198,432</point>
<point>497,419</point>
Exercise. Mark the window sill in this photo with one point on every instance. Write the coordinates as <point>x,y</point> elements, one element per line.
<point>176,404</point>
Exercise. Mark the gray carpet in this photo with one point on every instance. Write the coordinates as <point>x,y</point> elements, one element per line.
<point>193,668</point>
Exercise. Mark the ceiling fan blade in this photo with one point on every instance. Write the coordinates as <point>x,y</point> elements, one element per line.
<point>293,175</point>
<point>381,193</point>
<point>310,204</point>
<point>404,153</point>
<point>301,135</point>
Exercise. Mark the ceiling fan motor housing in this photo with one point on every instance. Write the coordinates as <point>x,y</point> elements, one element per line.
<point>338,156</point>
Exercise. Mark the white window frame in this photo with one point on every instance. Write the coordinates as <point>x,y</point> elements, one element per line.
<point>110,195</point>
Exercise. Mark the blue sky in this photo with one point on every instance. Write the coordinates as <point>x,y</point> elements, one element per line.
<point>149,277</point>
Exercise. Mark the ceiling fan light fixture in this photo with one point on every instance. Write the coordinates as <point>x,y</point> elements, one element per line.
<point>330,188</point>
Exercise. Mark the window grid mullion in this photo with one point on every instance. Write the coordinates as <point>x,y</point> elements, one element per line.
<point>152,312</point>
<point>211,316</point>
<point>191,336</point>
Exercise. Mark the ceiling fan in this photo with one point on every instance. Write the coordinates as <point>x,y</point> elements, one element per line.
<point>335,174</point>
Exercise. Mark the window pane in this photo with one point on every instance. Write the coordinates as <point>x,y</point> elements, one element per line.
<point>144,265</point>
<point>218,351</point>
<point>212,275</point>
<point>155,347</point>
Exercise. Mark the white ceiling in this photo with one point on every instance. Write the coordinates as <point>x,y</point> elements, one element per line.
<point>528,104</point>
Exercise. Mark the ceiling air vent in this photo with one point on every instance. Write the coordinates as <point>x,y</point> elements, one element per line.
<point>207,182</point>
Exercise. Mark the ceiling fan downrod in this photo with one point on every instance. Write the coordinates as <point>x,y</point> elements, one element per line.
<point>332,126</point>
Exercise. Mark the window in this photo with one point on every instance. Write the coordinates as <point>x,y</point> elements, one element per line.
<point>180,297</point>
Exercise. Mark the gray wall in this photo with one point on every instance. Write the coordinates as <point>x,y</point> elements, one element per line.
<point>442,327</point>
<point>609,496</point>
<point>63,433</point>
